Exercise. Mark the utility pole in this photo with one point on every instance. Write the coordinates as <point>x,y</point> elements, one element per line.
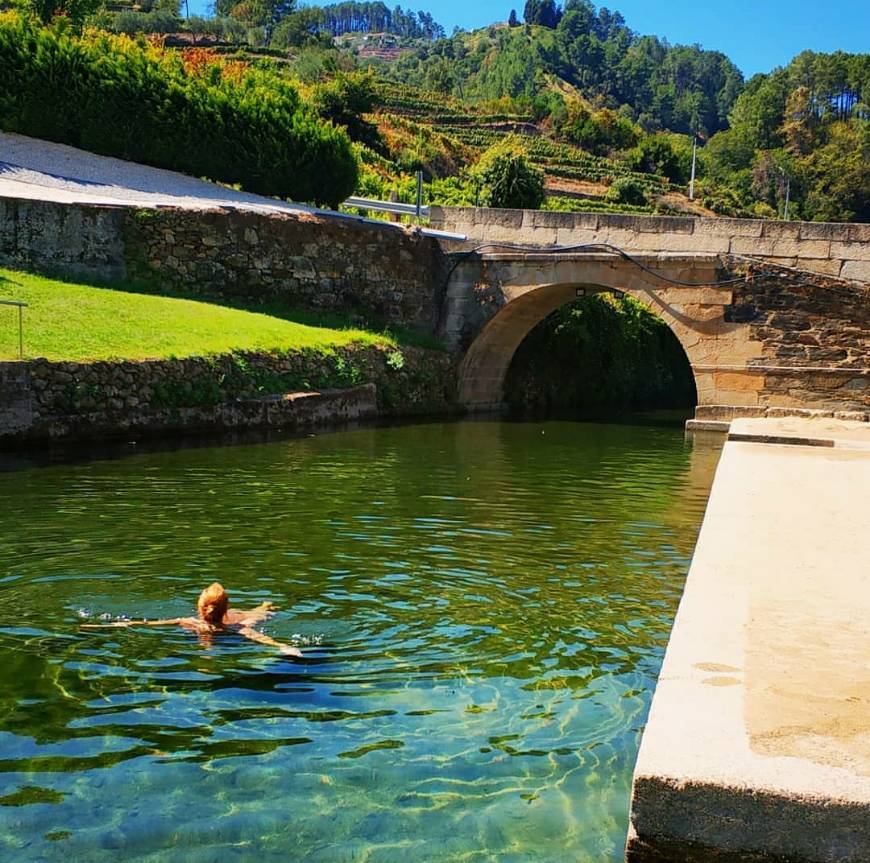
<point>787,179</point>
<point>694,155</point>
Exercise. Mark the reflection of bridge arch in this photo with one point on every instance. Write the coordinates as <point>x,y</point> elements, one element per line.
<point>494,301</point>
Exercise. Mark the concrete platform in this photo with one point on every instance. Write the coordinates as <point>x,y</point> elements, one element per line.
<point>758,742</point>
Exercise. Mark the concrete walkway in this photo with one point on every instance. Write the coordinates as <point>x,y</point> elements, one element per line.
<point>758,742</point>
<point>45,171</point>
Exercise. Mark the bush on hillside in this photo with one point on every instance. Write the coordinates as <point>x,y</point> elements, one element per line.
<point>598,132</point>
<point>144,22</point>
<point>192,113</point>
<point>507,178</point>
<point>344,100</point>
<point>656,154</point>
<point>627,190</point>
<point>75,11</point>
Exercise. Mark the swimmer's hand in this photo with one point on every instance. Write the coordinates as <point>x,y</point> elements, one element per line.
<point>289,650</point>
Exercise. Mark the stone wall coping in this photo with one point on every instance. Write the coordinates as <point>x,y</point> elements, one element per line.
<point>579,255</point>
<point>752,746</point>
<point>841,231</point>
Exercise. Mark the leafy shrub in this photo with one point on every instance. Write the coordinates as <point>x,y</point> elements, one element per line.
<point>656,154</point>
<point>144,22</point>
<point>112,95</point>
<point>627,190</point>
<point>598,131</point>
<point>76,11</point>
<point>722,200</point>
<point>507,178</point>
<point>344,99</point>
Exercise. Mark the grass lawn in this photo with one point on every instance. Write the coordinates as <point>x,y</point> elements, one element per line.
<point>69,321</point>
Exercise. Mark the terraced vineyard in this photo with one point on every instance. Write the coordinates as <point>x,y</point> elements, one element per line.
<point>477,131</point>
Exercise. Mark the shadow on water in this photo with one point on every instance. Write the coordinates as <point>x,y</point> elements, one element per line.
<point>23,456</point>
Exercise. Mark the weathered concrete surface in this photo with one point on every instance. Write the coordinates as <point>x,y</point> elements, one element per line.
<point>758,741</point>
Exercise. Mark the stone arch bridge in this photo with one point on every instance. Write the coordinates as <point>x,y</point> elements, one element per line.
<point>494,300</point>
<point>755,336</point>
<point>765,324</point>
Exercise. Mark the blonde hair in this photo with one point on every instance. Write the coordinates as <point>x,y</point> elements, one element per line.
<point>212,603</point>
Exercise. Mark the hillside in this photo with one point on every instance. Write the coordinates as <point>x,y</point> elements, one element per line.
<point>678,88</point>
<point>436,131</point>
<point>597,115</point>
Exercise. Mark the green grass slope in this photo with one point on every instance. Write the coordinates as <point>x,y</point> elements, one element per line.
<point>69,321</point>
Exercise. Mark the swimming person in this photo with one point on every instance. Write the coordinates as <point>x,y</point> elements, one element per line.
<point>215,615</point>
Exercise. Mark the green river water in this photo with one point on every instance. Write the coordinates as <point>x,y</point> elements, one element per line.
<point>483,609</point>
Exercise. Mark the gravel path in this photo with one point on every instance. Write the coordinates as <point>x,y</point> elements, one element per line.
<point>32,168</point>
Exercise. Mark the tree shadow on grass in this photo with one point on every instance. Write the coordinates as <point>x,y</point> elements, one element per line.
<point>403,336</point>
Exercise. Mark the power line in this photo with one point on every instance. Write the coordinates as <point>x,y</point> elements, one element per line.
<point>586,247</point>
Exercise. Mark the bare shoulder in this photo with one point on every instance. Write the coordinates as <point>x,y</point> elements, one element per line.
<point>192,623</point>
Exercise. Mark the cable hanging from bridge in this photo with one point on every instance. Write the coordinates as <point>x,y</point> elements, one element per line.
<point>586,247</point>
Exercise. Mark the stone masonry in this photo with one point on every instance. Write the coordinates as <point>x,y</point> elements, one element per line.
<point>757,335</point>
<point>66,400</point>
<point>387,273</point>
<point>773,315</point>
<point>830,249</point>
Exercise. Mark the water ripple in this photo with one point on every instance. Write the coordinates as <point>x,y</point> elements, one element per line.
<point>483,611</point>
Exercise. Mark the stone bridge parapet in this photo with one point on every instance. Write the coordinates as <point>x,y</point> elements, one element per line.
<point>831,249</point>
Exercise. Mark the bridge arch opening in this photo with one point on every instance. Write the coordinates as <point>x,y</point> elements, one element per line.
<point>602,353</point>
<point>522,331</point>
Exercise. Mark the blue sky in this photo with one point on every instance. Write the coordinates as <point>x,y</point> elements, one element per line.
<point>757,35</point>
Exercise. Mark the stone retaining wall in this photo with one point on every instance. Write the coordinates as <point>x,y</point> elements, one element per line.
<point>76,400</point>
<point>815,339</point>
<point>383,272</point>
<point>831,249</point>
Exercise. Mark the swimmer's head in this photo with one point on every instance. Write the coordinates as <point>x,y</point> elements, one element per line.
<point>212,603</point>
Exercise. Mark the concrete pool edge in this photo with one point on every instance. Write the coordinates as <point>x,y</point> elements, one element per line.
<point>756,749</point>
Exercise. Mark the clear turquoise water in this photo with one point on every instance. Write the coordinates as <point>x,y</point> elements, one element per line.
<point>483,608</point>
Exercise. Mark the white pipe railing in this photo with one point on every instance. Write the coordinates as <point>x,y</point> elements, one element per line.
<point>388,207</point>
<point>21,307</point>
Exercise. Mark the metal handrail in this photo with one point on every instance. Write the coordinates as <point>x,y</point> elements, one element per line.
<point>21,308</point>
<point>417,210</point>
<point>388,207</point>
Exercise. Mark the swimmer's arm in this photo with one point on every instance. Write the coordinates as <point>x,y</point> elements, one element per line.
<point>173,621</point>
<point>262,612</point>
<point>260,638</point>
